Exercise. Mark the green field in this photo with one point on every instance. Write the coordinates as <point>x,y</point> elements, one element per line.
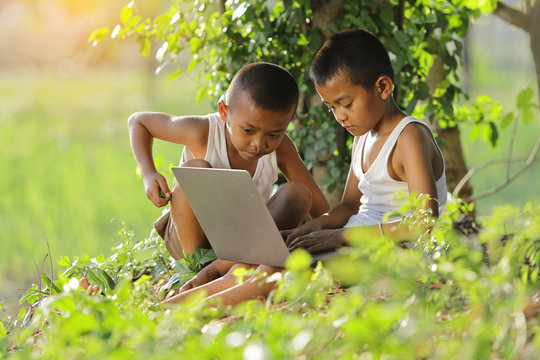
<point>68,175</point>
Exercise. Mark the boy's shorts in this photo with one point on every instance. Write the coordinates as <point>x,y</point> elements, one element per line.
<point>165,228</point>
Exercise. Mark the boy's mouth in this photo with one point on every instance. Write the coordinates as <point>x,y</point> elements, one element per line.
<point>254,155</point>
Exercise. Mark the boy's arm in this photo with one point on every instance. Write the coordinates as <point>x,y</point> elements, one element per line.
<point>308,234</point>
<point>415,157</point>
<point>144,127</point>
<point>294,169</point>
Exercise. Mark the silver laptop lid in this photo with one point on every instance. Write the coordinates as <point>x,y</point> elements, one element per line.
<point>233,215</point>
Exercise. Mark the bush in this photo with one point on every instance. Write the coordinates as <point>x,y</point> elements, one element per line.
<point>445,295</point>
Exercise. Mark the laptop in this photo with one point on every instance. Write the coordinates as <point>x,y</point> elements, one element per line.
<point>234,216</point>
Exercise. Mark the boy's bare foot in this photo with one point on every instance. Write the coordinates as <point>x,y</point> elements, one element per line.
<point>212,271</point>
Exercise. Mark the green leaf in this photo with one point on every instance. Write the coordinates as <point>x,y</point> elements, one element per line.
<point>192,65</point>
<point>494,135</point>
<point>145,46</point>
<point>94,279</point>
<point>111,284</point>
<point>174,74</point>
<point>475,132</point>
<point>64,261</point>
<point>180,266</point>
<point>484,99</point>
<point>507,120</point>
<point>527,115</point>
<point>126,13</point>
<point>302,40</point>
<point>49,283</point>
<point>431,18</point>
<point>387,15</point>
<point>300,259</point>
<point>207,256</point>
<point>201,94</point>
<point>524,97</point>
<point>99,34</point>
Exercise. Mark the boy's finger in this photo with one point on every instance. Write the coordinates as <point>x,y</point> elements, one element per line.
<point>164,187</point>
<point>315,247</point>
<point>157,200</point>
<point>290,239</point>
<point>285,233</point>
<point>186,286</point>
<point>297,243</point>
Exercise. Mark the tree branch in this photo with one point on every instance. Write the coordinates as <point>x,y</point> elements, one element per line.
<point>511,146</point>
<point>401,15</point>
<point>512,16</point>
<point>528,162</point>
<point>221,6</point>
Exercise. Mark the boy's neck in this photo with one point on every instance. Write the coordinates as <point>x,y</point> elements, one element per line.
<point>389,120</point>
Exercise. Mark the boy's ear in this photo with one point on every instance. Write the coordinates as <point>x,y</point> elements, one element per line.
<point>384,86</point>
<point>223,110</point>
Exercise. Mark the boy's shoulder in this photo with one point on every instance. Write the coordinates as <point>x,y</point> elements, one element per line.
<point>191,130</point>
<point>415,136</point>
<point>286,151</point>
<point>414,129</point>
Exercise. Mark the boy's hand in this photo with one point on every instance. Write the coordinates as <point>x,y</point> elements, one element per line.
<point>291,235</point>
<point>318,240</point>
<point>157,190</point>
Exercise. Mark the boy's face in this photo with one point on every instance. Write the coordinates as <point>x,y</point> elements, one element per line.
<point>356,109</point>
<point>254,131</point>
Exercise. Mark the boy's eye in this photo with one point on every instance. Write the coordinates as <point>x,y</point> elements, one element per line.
<point>248,131</point>
<point>275,136</point>
<point>348,105</point>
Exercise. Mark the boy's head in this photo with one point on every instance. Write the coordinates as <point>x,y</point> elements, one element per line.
<point>357,54</point>
<point>268,86</point>
<point>354,78</point>
<point>260,104</point>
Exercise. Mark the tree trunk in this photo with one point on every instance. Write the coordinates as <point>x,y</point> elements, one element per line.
<point>321,17</point>
<point>534,33</point>
<point>456,167</point>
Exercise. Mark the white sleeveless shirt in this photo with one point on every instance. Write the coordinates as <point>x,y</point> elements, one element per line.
<point>376,185</point>
<point>216,154</point>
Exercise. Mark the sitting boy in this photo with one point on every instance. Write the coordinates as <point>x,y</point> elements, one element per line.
<point>247,132</point>
<point>391,152</point>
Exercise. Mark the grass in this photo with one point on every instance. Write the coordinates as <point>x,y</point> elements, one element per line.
<point>68,175</point>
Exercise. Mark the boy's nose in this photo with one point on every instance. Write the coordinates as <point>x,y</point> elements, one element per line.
<point>259,143</point>
<point>340,116</point>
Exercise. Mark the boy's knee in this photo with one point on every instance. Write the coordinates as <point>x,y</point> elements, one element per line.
<point>297,192</point>
<point>195,163</point>
<point>199,163</point>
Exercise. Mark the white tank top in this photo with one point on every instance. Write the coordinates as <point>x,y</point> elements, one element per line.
<point>376,185</point>
<point>216,154</point>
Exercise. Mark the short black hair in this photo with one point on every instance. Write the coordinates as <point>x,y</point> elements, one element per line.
<point>269,86</point>
<point>356,53</point>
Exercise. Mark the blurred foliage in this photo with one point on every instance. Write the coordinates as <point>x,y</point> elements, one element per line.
<point>290,32</point>
<point>443,296</point>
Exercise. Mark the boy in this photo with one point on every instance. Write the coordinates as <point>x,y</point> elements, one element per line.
<point>248,132</point>
<point>391,151</point>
